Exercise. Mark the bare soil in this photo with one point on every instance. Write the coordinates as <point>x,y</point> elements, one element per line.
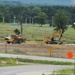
<point>38,49</point>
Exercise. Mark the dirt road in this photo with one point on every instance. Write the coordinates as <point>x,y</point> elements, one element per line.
<point>38,49</point>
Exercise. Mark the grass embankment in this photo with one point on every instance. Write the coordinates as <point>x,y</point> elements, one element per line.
<point>9,62</point>
<point>35,32</point>
<point>46,62</point>
<point>13,62</point>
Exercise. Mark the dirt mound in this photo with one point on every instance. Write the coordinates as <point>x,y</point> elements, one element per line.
<point>31,42</point>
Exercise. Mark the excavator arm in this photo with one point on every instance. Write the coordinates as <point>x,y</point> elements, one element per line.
<point>51,38</point>
<point>58,32</point>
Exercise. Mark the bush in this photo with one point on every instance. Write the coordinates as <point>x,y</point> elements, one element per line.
<point>17,32</point>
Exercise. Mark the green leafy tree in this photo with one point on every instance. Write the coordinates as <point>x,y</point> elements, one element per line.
<point>61,20</point>
<point>36,10</point>
<point>41,18</point>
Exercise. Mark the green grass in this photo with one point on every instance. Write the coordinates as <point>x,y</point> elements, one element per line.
<point>8,62</point>
<point>12,62</point>
<point>64,72</point>
<point>46,62</point>
<point>69,35</point>
<point>35,32</point>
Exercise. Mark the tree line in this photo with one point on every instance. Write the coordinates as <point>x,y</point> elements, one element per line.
<point>53,15</point>
<point>30,12</point>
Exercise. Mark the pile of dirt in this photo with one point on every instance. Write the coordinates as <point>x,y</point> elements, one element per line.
<point>38,49</point>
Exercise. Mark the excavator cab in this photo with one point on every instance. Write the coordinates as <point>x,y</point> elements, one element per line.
<point>52,40</point>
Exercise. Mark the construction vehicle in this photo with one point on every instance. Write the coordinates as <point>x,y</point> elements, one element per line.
<point>15,39</point>
<point>51,40</point>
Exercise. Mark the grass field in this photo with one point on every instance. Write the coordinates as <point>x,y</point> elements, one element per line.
<point>35,32</point>
<point>64,72</point>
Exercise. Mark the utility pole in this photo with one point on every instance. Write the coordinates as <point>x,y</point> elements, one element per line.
<point>14,19</point>
<point>21,18</point>
<point>25,19</point>
<point>30,20</point>
<point>3,20</point>
<point>52,21</point>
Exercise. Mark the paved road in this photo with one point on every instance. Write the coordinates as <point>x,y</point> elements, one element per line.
<point>36,57</point>
<point>31,69</point>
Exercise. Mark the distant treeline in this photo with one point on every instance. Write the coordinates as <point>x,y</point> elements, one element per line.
<point>27,13</point>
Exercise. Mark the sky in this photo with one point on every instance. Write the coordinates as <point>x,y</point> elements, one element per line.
<point>49,2</point>
<point>73,2</point>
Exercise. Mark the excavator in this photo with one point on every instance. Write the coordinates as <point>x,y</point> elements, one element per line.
<point>51,40</point>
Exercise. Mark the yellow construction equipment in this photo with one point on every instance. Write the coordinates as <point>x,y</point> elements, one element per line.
<point>15,39</point>
<point>51,40</point>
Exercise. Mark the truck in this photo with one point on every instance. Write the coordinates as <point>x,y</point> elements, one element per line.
<point>15,39</point>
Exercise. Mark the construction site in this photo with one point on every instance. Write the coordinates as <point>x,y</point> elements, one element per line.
<point>32,32</point>
<point>55,45</point>
<point>38,49</point>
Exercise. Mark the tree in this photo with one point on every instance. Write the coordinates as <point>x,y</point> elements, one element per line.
<point>17,32</point>
<point>20,16</point>
<point>61,20</point>
<point>36,10</point>
<point>41,18</point>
